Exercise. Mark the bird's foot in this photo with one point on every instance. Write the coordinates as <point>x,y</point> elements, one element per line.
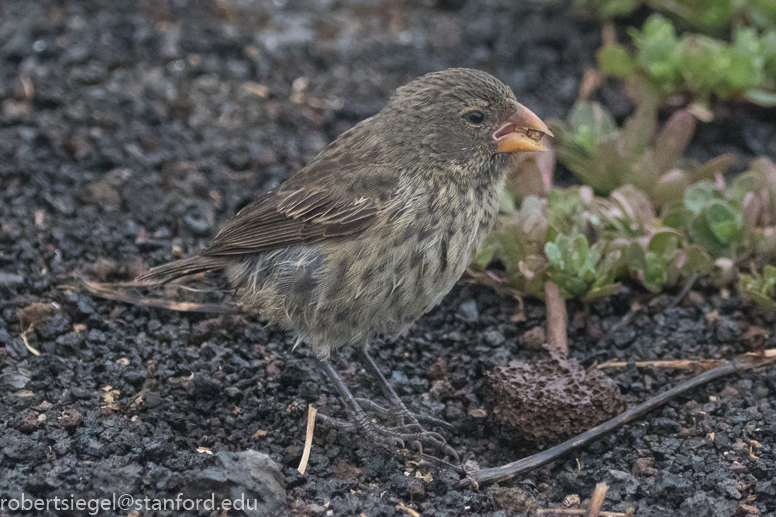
<point>398,436</point>
<point>407,427</point>
<point>399,414</point>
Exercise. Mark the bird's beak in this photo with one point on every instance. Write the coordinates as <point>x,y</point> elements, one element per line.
<point>523,131</point>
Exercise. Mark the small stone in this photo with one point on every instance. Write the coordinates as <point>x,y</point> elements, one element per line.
<point>198,225</point>
<point>698,505</point>
<point>514,500</point>
<point>11,280</point>
<point>345,470</point>
<point>204,387</point>
<point>71,419</point>
<point>620,475</point>
<point>468,311</point>
<point>80,393</point>
<point>16,110</point>
<point>494,337</point>
<point>28,424</point>
<point>96,335</point>
<point>535,338</point>
<point>695,298</point>
<point>624,337</point>
<point>643,467</point>
<point>15,378</point>
<point>673,488</point>
<point>440,389</point>
<point>571,500</point>
<point>399,377</point>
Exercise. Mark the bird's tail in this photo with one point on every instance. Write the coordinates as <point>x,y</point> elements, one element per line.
<point>127,291</point>
<point>166,273</point>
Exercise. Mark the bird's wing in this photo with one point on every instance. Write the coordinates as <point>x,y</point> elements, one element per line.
<point>313,206</point>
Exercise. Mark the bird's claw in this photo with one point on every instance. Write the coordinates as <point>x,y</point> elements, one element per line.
<point>412,432</point>
<point>404,416</point>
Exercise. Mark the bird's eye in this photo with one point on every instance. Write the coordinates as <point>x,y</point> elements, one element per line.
<point>475,117</point>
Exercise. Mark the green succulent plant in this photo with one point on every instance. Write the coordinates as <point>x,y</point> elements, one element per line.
<point>581,270</point>
<point>551,240</point>
<point>759,288</point>
<point>606,156</point>
<point>710,219</point>
<point>744,68</point>
<point>518,241</point>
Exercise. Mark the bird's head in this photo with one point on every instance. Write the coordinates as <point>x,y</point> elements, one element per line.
<point>464,120</point>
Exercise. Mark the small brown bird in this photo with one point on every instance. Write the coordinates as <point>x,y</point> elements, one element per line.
<point>377,229</point>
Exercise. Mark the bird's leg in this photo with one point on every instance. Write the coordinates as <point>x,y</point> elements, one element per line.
<point>397,408</point>
<point>358,419</point>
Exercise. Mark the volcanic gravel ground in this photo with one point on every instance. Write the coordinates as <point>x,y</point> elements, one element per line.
<point>131,131</point>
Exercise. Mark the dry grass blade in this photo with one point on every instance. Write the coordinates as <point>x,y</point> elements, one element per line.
<point>410,511</point>
<point>27,344</point>
<point>688,364</point>
<point>599,494</point>
<point>308,439</point>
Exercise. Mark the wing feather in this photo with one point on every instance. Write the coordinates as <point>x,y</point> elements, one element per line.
<point>309,208</point>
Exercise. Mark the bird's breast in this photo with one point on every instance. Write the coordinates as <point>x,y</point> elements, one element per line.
<point>401,267</point>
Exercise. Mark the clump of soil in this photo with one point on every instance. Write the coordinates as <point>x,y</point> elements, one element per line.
<point>550,400</point>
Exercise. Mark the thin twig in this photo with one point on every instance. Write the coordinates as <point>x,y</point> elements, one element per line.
<point>557,318</point>
<point>308,439</point>
<point>577,511</point>
<point>608,33</point>
<point>492,475</point>
<point>686,289</point>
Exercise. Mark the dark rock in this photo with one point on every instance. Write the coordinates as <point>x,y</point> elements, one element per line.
<point>10,280</point>
<point>626,479</point>
<point>671,487</point>
<point>14,378</point>
<point>71,420</point>
<point>205,387</point>
<point>766,487</point>
<point>702,505</point>
<point>249,479</point>
<point>664,424</point>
